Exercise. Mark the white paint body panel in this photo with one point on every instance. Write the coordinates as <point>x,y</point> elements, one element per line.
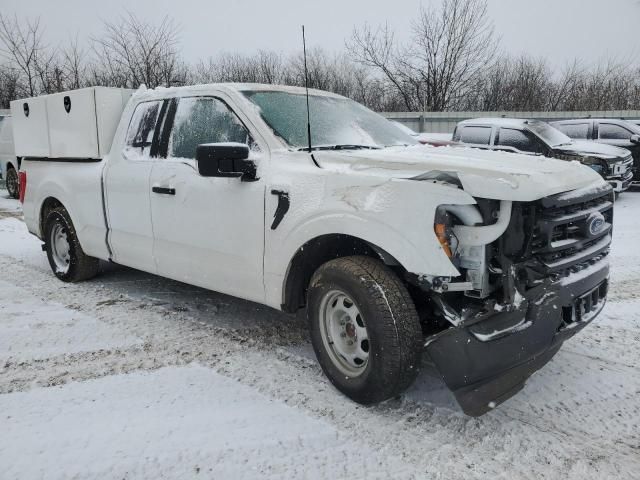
<point>7,152</point>
<point>85,131</point>
<point>30,133</point>
<point>215,232</point>
<point>77,187</point>
<point>127,193</point>
<point>211,232</point>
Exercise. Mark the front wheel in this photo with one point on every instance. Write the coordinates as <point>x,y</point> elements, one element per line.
<point>364,328</point>
<point>12,183</point>
<point>66,257</point>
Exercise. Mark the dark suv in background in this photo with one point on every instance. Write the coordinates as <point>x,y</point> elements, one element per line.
<point>539,138</point>
<point>610,131</point>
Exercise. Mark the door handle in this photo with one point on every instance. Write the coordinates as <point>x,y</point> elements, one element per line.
<point>164,190</point>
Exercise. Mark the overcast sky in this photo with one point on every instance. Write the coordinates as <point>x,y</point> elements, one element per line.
<point>556,29</point>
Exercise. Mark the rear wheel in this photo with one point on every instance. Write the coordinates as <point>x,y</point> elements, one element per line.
<point>12,183</point>
<point>364,328</point>
<point>66,257</point>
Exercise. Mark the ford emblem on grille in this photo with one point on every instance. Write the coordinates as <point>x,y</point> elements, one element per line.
<point>595,224</point>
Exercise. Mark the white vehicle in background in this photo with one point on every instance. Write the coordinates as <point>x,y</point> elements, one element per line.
<point>9,164</point>
<point>487,260</point>
<point>433,139</point>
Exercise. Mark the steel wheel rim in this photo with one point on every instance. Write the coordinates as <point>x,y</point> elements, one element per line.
<point>60,248</point>
<point>344,333</point>
<point>12,182</point>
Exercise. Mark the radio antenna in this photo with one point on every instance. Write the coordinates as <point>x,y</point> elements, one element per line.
<point>306,85</point>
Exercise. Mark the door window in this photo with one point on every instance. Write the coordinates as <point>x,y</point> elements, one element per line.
<point>201,120</point>
<point>474,135</point>
<point>578,131</point>
<point>142,128</point>
<point>519,139</point>
<point>609,131</point>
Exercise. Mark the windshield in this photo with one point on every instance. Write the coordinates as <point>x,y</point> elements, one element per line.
<point>334,121</point>
<point>551,135</point>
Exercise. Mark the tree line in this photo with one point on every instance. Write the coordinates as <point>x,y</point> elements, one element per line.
<point>452,61</point>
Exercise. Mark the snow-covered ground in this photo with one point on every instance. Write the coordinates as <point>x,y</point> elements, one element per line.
<point>134,376</point>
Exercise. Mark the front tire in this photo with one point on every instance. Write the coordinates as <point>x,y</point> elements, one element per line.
<point>12,183</point>
<point>66,257</point>
<point>364,328</point>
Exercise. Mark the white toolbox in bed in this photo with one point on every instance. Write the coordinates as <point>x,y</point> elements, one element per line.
<point>77,124</point>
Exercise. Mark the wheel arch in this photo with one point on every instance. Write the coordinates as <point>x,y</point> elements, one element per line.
<point>49,204</point>
<point>317,251</point>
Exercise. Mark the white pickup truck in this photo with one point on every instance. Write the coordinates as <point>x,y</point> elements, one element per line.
<point>487,261</point>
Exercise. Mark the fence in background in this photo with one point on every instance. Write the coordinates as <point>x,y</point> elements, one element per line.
<point>445,122</point>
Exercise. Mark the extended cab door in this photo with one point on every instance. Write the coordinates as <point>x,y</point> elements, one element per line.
<point>127,190</point>
<point>208,231</point>
<point>614,134</point>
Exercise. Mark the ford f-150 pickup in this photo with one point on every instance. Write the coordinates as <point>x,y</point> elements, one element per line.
<point>484,262</point>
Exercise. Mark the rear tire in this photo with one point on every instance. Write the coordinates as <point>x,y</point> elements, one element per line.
<point>12,183</point>
<point>364,328</point>
<point>67,259</point>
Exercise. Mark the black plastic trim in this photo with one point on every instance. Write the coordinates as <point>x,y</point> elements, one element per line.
<point>282,208</point>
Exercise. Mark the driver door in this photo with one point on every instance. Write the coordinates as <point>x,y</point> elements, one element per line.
<point>208,231</point>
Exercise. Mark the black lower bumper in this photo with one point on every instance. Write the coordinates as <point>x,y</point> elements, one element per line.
<point>487,362</point>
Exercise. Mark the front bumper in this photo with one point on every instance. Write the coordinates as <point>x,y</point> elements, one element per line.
<point>620,184</point>
<point>487,362</point>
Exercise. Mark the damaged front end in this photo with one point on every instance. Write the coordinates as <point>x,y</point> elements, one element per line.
<point>533,275</point>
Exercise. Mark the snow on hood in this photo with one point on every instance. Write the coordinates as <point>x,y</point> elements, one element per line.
<point>601,150</point>
<point>482,173</point>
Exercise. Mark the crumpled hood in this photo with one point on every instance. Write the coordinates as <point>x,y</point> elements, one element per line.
<point>600,150</point>
<point>482,173</point>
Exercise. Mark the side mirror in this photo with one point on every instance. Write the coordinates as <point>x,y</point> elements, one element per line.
<point>225,160</point>
<point>635,138</point>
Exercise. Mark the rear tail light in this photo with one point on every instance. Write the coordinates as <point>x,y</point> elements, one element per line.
<point>22,185</point>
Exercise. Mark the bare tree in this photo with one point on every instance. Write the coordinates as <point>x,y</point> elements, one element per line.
<point>449,64</point>
<point>134,52</point>
<point>377,49</point>
<point>74,64</point>
<point>9,85</point>
<point>451,46</point>
<point>21,44</point>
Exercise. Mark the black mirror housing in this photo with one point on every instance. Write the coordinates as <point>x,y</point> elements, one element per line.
<point>229,160</point>
<point>635,138</point>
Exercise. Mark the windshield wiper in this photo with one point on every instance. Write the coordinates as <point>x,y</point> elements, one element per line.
<point>341,147</point>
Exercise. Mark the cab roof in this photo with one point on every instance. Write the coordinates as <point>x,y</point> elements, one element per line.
<point>499,122</point>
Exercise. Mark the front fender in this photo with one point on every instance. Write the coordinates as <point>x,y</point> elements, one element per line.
<point>392,214</point>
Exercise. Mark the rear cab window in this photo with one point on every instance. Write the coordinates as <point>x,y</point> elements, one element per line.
<point>141,131</point>
<point>476,135</point>
<point>577,131</point>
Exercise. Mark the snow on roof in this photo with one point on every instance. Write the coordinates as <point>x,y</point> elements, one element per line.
<point>497,121</point>
<point>235,87</point>
<point>263,87</point>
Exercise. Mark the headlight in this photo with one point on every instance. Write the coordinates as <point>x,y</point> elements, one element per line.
<point>442,228</point>
<point>596,164</point>
<point>444,237</point>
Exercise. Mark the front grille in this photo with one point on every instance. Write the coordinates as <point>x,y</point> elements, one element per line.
<point>564,236</point>
<point>620,169</point>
